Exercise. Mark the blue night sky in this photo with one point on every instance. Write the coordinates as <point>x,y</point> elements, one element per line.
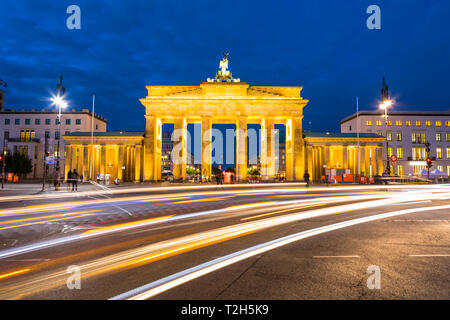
<point>321,45</point>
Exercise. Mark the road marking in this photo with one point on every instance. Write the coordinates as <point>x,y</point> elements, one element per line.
<point>156,287</point>
<point>325,257</point>
<point>429,255</point>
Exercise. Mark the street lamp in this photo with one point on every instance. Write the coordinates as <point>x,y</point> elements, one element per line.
<point>59,101</point>
<point>384,106</point>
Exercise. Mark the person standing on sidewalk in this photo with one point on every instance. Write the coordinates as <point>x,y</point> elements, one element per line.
<point>306,177</point>
<point>74,180</point>
<point>69,179</point>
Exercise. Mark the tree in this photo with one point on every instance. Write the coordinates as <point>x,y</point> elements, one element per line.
<point>18,163</point>
<point>253,171</point>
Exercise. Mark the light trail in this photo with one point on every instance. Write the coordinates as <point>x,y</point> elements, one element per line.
<point>154,288</point>
<point>14,273</point>
<point>392,198</point>
<point>164,249</point>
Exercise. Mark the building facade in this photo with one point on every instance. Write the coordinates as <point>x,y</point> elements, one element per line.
<point>336,154</point>
<point>223,100</point>
<point>406,132</point>
<point>37,131</point>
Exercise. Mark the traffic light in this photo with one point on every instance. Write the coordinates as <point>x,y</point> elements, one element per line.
<point>1,158</point>
<point>427,147</point>
<point>429,162</point>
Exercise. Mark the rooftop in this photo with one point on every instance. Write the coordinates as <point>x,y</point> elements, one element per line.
<point>397,113</point>
<point>340,135</point>
<point>108,134</point>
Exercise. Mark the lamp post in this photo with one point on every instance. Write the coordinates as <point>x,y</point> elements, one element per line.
<point>384,106</point>
<point>60,103</point>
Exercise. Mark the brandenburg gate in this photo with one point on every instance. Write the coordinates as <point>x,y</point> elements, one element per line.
<point>223,100</point>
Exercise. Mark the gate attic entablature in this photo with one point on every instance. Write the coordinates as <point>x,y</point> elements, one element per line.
<point>224,102</point>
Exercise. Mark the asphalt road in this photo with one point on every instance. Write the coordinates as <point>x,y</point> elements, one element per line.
<point>235,242</point>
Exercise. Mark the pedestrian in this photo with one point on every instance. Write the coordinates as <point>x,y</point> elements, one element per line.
<point>69,180</point>
<point>306,177</point>
<point>75,180</point>
<point>98,177</point>
<point>81,178</point>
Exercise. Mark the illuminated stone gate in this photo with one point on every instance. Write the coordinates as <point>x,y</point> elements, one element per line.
<point>224,100</point>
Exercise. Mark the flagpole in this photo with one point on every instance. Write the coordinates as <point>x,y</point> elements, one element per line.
<point>92,137</point>
<point>357,132</point>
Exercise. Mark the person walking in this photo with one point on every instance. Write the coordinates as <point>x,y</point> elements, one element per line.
<point>306,177</point>
<point>74,180</point>
<point>69,180</point>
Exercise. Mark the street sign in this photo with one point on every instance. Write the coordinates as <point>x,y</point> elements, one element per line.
<point>50,159</point>
<point>394,158</point>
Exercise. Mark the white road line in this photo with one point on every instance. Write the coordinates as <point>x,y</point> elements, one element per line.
<point>429,255</point>
<point>351,256</point>
<point>156,287</point>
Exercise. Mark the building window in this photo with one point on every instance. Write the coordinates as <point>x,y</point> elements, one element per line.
<point>6,135</point>
<point>438,153</point>
<point>379,123</point>
<point>438,136</point>
<point>368,123</point>
<point>428,123</point>
<point>400,170</point>
<point>399,136</point>
<point>418,137</point>
<point>16,121</point>
<point>399,152</point>
<point>389,123</point>
<point>447,136</point>
<point>408,123</point>
<point>379,133</point>
<point>47,134</point>
<point>56,135</point>
<point>47,122</point>
<point>419,153</point>
<point>67,121</point>
<point>37,121</point>
<point>32,135</point>
<point>57,121</point>
<point>447,123</point>
<point>390,151</point>
<point>418,123</point>
<point>27,121</point>
<point>78,122</point>
<point>448,153</point>
<point>438,123</point>
<point>7,121</point>
<point>22,135</point>
<point>389,136</point>
<point>398,123</point>
<point>440,168</point>
<point>96,126</point>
